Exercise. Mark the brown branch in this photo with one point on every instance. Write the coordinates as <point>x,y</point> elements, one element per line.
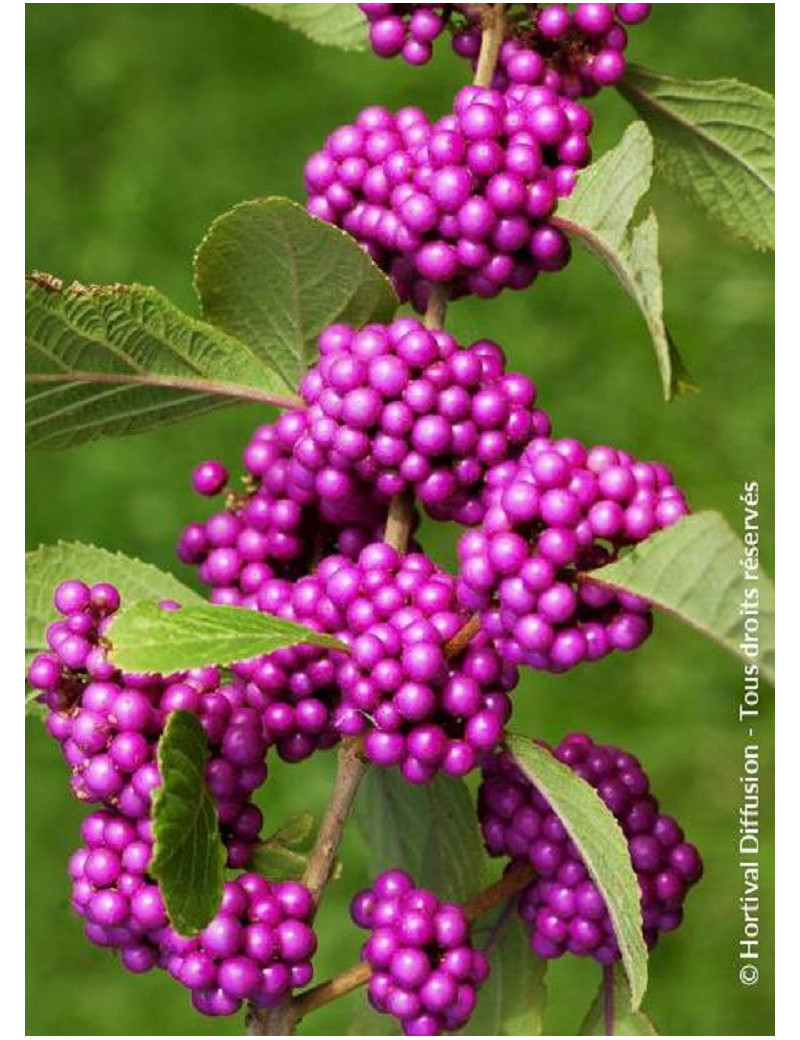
<point>351,769</point>
<point>512,882</point>
<point>462,638</point>
<point>493,31</point>
<point>399,521</point>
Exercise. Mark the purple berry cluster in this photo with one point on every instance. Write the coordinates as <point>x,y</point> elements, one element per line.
<point>282,521</point>
<point>403,408</point>
<point>465,202</point>
<point>574,53</point>
<point>108,722</point>
<point>563,907</point>
<point>557,514</point>
<point>416,706</point>
<point>425,970</point>
<point>409,30</point>
<point>258,947</point>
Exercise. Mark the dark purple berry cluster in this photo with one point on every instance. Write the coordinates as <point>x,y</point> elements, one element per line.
<point>425,970</point>
<point>109,722</point>
<point>282,521</point>
<point>416,706</point>
<point>550,519</point>
<point>465,202</point>
<point>409,30</point>
<point>563,907</point>
<point>403,408</point>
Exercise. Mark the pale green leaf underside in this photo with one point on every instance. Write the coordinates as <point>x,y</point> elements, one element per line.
<point>116,360</point>
<point>694,570</point>
<point>611,1013</point>
<point>272,275</point>
<point>146,638</point>
<point>599,215</point>
<point>715,141</point>
<point>430,830</point>
<point>602,846</point>
<point>47,567</point>
<point>189,857</point>
<point>334,25</point>
<point>512,1000</point>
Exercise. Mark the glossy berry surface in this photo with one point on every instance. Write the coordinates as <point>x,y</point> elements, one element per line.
<point>563,908</point>
<point>426,972</point>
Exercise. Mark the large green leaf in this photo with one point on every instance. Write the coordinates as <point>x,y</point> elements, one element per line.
<point>47,567</point>
<point>715,141</point>
<point>113,360</point>
<point>611,1013</point>
<point>602,846</point>
<point>146,638</point>
<point>334,25</point>
<point>696,571</point>
<point>599,215</point>
<point>512,1001</point>
<point>189,857</point>
<point>430,830</point>
<point>274,276</point>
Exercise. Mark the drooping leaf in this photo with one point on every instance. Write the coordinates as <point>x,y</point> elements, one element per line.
<point>602,846</point>
<point>189,857</point>
<point>47,567</point>
<point>430,830</point>
<point>695,571</point>
<point>146,638</point>
<point>599,215</point>
<point>611,1013</point>
<point>33,706</point>
<point>512,1001</point>
<point>715,141</point>
<point>334,25</point>
<point>112,360</point>
<point>272,275</point>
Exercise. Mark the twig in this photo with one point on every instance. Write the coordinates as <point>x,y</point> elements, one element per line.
<point>462,638</point>
<point>494,27</point>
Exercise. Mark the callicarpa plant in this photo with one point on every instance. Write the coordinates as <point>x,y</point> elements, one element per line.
<point>325,626</point>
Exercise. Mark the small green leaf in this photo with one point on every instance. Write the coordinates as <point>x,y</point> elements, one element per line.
<point>277,862</point>
<point>189,857</point>
<point>333,25</point>
<point>611,1014</point>
<point>695,570</point>
<point>47,567</point>
<point>602,846</point>
<point>111,360</point>
<point>512,1000</point>
<point>430,830</point>
<point>146,638</point>
<point>296,831</point>
<point>33,706</point>
<point>272,275</point>
<point>599,215</point>
<point>715,141</point>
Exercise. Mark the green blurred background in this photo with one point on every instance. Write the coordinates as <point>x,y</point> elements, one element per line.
<point>147,120</point>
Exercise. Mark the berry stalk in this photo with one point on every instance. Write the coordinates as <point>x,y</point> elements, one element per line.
<point>512,882</point>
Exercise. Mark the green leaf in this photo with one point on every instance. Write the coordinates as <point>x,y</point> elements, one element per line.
<point>189,857</point>
<point>272,275</point>
<point>47,567</point>
<point>715,141</point>
<point>282,856</point>
<point>599,215</point>
<point>112,360</point>
<point>34,707</point>
<point>695,571</point>
<point>512,1000</point>
<point>333,25</point>
<point>430,830</point>
<point>146,638</point>
<point>602,846</point>
<point>611,1014</point>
